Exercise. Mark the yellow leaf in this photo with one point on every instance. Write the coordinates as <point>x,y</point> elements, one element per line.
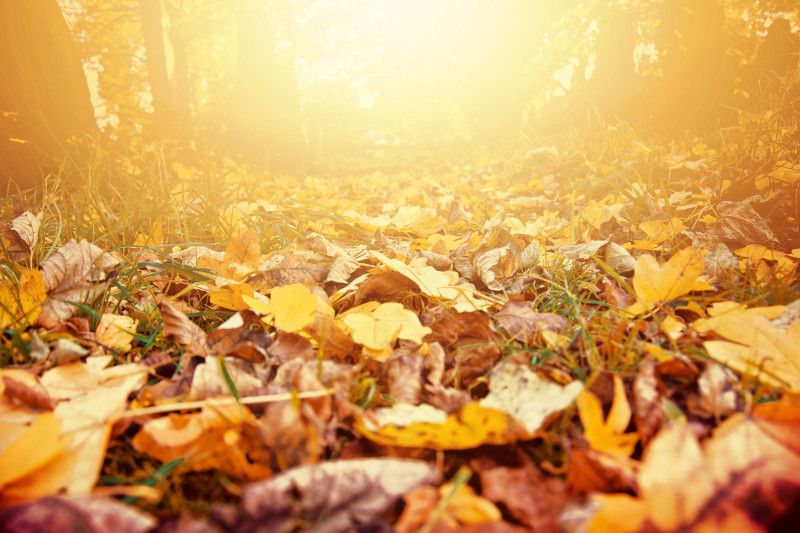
<point>471,427</point>
<point>466,507</point>
<point>387,323</point>
<point>292,307</point>
<point>116,331</point>
<point>231,296</point>
<point>372,332</point>
<point>244,249</point>
<point>607,435</point>
<point>35,447</point>
<point>654,283</point>
<point>24,303</point>
<point>760,350</point>
<point>430,281</point>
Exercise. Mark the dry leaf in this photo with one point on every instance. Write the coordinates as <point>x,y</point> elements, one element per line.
<point>76,515</point>
<point>516,390</point>
<point>24,304</point>
<point>116,331</point>
<point>523,324</point>
<point>660,284</point>
<point>730,484</point>
<point>179,328</point>
<point>336,496</point>
<point>424,426</point>
<point>608,435</point>
<point>208,440</point>
<point>74,273</point>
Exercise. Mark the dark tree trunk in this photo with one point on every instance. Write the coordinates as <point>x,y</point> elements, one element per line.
<point>166,69</point>
<point>264,109</point>
<point>44,97</point>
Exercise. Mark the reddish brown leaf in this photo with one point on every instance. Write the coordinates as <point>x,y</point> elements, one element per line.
<point>22,394</point>
<point>647,403</point>
<point>473,343</point>
<point>524,325</point>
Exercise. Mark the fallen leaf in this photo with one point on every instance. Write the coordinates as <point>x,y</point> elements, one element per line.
<point>424,426</point>
<point>524,324</point>
<point>208,440</point>
<point>23,304</point>
<point>74,273</point>
<point>660,284</point>
<point>116,331</point>
<point>380,328</point>
<point>760,350</point>
<point>607,436</point>
<point>336,496</point>
<point>728,484</point>
<point>179,328</point>
<point>28,448</point>
<point>76,515</point>
<point>519,392</point>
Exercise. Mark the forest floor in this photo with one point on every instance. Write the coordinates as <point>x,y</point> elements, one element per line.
<point>598,333</point>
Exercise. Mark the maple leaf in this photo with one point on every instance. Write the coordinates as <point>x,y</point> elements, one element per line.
<point>685,486</point>
<point>607,435</point>
<point>660,284</point>
<point>290,308</point>
<point>756,348</point>
<point>382,326</point>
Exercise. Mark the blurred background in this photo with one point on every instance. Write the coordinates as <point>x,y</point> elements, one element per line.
<point>295,84</point>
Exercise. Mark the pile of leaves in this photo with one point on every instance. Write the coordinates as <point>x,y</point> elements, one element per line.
<point>602,338</point>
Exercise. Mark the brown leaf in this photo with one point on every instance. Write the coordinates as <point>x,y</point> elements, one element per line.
<point>288,346</point>
<point>178,327</point>
<point>474,344</point>
<point>528,496</point>
<point>75,272</point>
<point>403,377</point>
<point>332,341</point>
<point>23,394</point>
<point>249,344</point>
<point>384,286</point>
<point>496,258</point>
<point>523,324</point>
<point>647,402</point>
<point>593,471</point>
<point>738,222</point>
<point>335,496</point>
<point>75,515</point>
<point>17,248</point>
<point>293,269</point>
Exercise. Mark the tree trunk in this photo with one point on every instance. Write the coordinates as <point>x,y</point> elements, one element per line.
<point>44,97</point>
<point>264,109</point>
<point>166,69</point>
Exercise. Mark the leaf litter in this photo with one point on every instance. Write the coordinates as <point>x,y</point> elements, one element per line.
<point>490,355</point>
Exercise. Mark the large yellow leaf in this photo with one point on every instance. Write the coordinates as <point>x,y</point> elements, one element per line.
<point>292,307</point>
<point>32,448</point>
<point>384,325</point>
<point>654,283</point>
<point>759,350</point>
